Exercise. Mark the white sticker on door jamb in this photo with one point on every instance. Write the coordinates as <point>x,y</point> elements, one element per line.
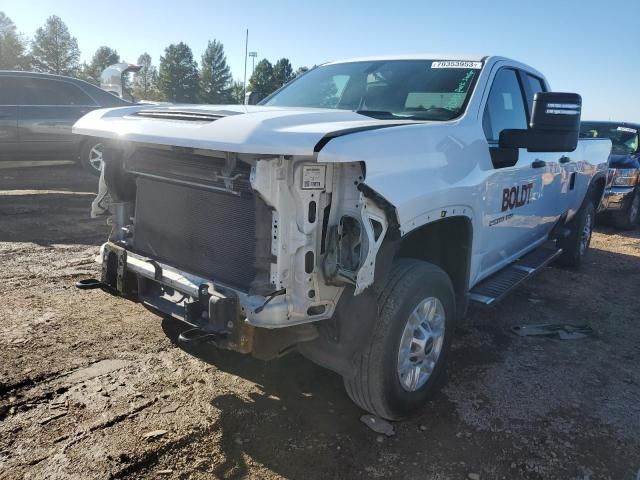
<point>313,177</point>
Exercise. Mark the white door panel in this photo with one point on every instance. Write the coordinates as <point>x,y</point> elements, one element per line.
<point>513,210</point>
<point>515,190</point>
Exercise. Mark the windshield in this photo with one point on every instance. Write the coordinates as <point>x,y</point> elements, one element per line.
<point>623,138</point>
<point>396,89</point>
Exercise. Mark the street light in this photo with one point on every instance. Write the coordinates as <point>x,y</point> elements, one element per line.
<point>244,81</point>
<point>253,55</point>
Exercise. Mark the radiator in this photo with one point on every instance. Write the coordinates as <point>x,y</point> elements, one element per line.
<point>202,229</point>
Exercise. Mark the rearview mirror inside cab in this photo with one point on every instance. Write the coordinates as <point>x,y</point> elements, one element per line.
<point>554,126</point>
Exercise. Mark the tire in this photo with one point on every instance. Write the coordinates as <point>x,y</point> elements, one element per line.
<point>627,219</point>
<point>576,245</point>
<point>91,156</point>
<point>377,382</point>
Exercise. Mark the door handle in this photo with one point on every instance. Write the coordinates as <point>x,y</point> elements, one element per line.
<point>564,159</point>
<point>539,164</point>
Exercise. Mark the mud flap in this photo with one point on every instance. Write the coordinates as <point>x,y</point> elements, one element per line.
<point>342,337</point>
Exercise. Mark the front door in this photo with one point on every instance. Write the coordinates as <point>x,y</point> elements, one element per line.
<point>8,117</point>
<point>50,109</point>
<point>514,188</point>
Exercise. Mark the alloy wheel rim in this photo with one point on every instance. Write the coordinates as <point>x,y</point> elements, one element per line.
<point>95,157</point>
<point>421,344</point>
<point>585,238</point>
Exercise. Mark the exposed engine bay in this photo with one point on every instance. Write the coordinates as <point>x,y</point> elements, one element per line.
<point>228,242</point>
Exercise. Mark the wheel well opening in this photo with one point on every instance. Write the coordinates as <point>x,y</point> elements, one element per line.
<point>598,191</point>
<point>445,243</point>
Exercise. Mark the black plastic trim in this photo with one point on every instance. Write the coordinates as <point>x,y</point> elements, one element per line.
<point>348,131</point>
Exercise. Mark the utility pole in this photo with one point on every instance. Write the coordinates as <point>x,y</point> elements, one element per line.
<point>244,83</point>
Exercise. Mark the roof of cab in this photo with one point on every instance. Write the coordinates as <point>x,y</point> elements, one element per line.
<point>51,76</point>
<point>485,59</point>
<point>415,56</point>
<point>611,123</point>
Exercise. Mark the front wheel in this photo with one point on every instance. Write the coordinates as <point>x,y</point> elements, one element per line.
<point>91,157</point>
<point>576,245</point>
<point>403,365</point>
<point>627,219</point>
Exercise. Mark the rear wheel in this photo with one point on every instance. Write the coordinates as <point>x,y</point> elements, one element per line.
<point>91,157</point>
<point>627,219</point>
<point>576,245</point>
<point>403,365</point>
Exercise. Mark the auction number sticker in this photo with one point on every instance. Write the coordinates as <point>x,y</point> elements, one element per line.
<point>627,129</point>
<point>456,64</point>
<point>313,177</point>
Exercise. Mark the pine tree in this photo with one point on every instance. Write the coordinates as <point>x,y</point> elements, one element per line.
<point>145,81</point>
<point>12,46</point>
<point>178,76</point>
<point>282,72</point>
<point>54,50</point>
<point>262,82</point>
<point>301,71</point>
<point>237,92</point>
<point>215,75</point>
<point>103,57</point>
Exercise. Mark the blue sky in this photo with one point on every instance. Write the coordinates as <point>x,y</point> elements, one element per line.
<point>585,46</point>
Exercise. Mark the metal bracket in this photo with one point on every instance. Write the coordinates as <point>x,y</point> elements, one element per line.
<point>121,266</point>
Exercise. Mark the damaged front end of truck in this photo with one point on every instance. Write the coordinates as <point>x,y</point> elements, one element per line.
<point>259,254</point>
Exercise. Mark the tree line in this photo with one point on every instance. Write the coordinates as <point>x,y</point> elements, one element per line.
<point>178,78</point>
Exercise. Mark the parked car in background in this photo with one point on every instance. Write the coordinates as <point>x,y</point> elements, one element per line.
<point>37,112</point>
<point>621,201</point>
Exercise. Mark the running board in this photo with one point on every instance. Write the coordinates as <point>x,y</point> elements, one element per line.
<point>491,290</point>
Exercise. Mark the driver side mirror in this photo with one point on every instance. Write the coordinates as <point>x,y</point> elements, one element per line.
<point>554,126</point>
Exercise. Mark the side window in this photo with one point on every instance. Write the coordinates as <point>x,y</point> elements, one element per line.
<point>535,84</point>
<point>10,90</point>
<point>505,107</point>
<point>40,91</point>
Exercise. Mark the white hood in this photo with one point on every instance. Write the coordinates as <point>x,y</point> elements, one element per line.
<point>239,128</point>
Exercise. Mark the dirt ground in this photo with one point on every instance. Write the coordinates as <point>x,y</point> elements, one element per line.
<point>86,377</point>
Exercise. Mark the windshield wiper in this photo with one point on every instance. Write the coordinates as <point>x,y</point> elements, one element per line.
<point>378,114</point>
<point>384,115</point>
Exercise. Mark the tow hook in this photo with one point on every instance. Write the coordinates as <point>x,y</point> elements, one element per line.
<point>92,284</point>
<point>89,284</point>
<point>197,336</point>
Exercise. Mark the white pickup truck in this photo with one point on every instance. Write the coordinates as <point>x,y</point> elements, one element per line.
<point>353,214</point>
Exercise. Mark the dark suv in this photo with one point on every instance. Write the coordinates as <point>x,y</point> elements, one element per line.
<point>621,202</point>
<point>37,112</point>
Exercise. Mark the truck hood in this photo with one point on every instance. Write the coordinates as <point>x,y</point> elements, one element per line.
<point>236,128</point>
<point>624,161</point>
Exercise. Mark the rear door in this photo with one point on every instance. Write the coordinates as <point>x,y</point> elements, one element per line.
<point>8,116</point>
<point>50,109</point>
<point>514,189</point>
<point>558,170</point>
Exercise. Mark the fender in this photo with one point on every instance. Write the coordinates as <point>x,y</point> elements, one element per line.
<point>597,186</point>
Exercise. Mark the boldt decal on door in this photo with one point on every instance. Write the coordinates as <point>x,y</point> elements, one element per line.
<point>517,196</point>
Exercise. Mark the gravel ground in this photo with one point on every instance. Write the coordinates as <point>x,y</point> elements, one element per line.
<point>93,386</point>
